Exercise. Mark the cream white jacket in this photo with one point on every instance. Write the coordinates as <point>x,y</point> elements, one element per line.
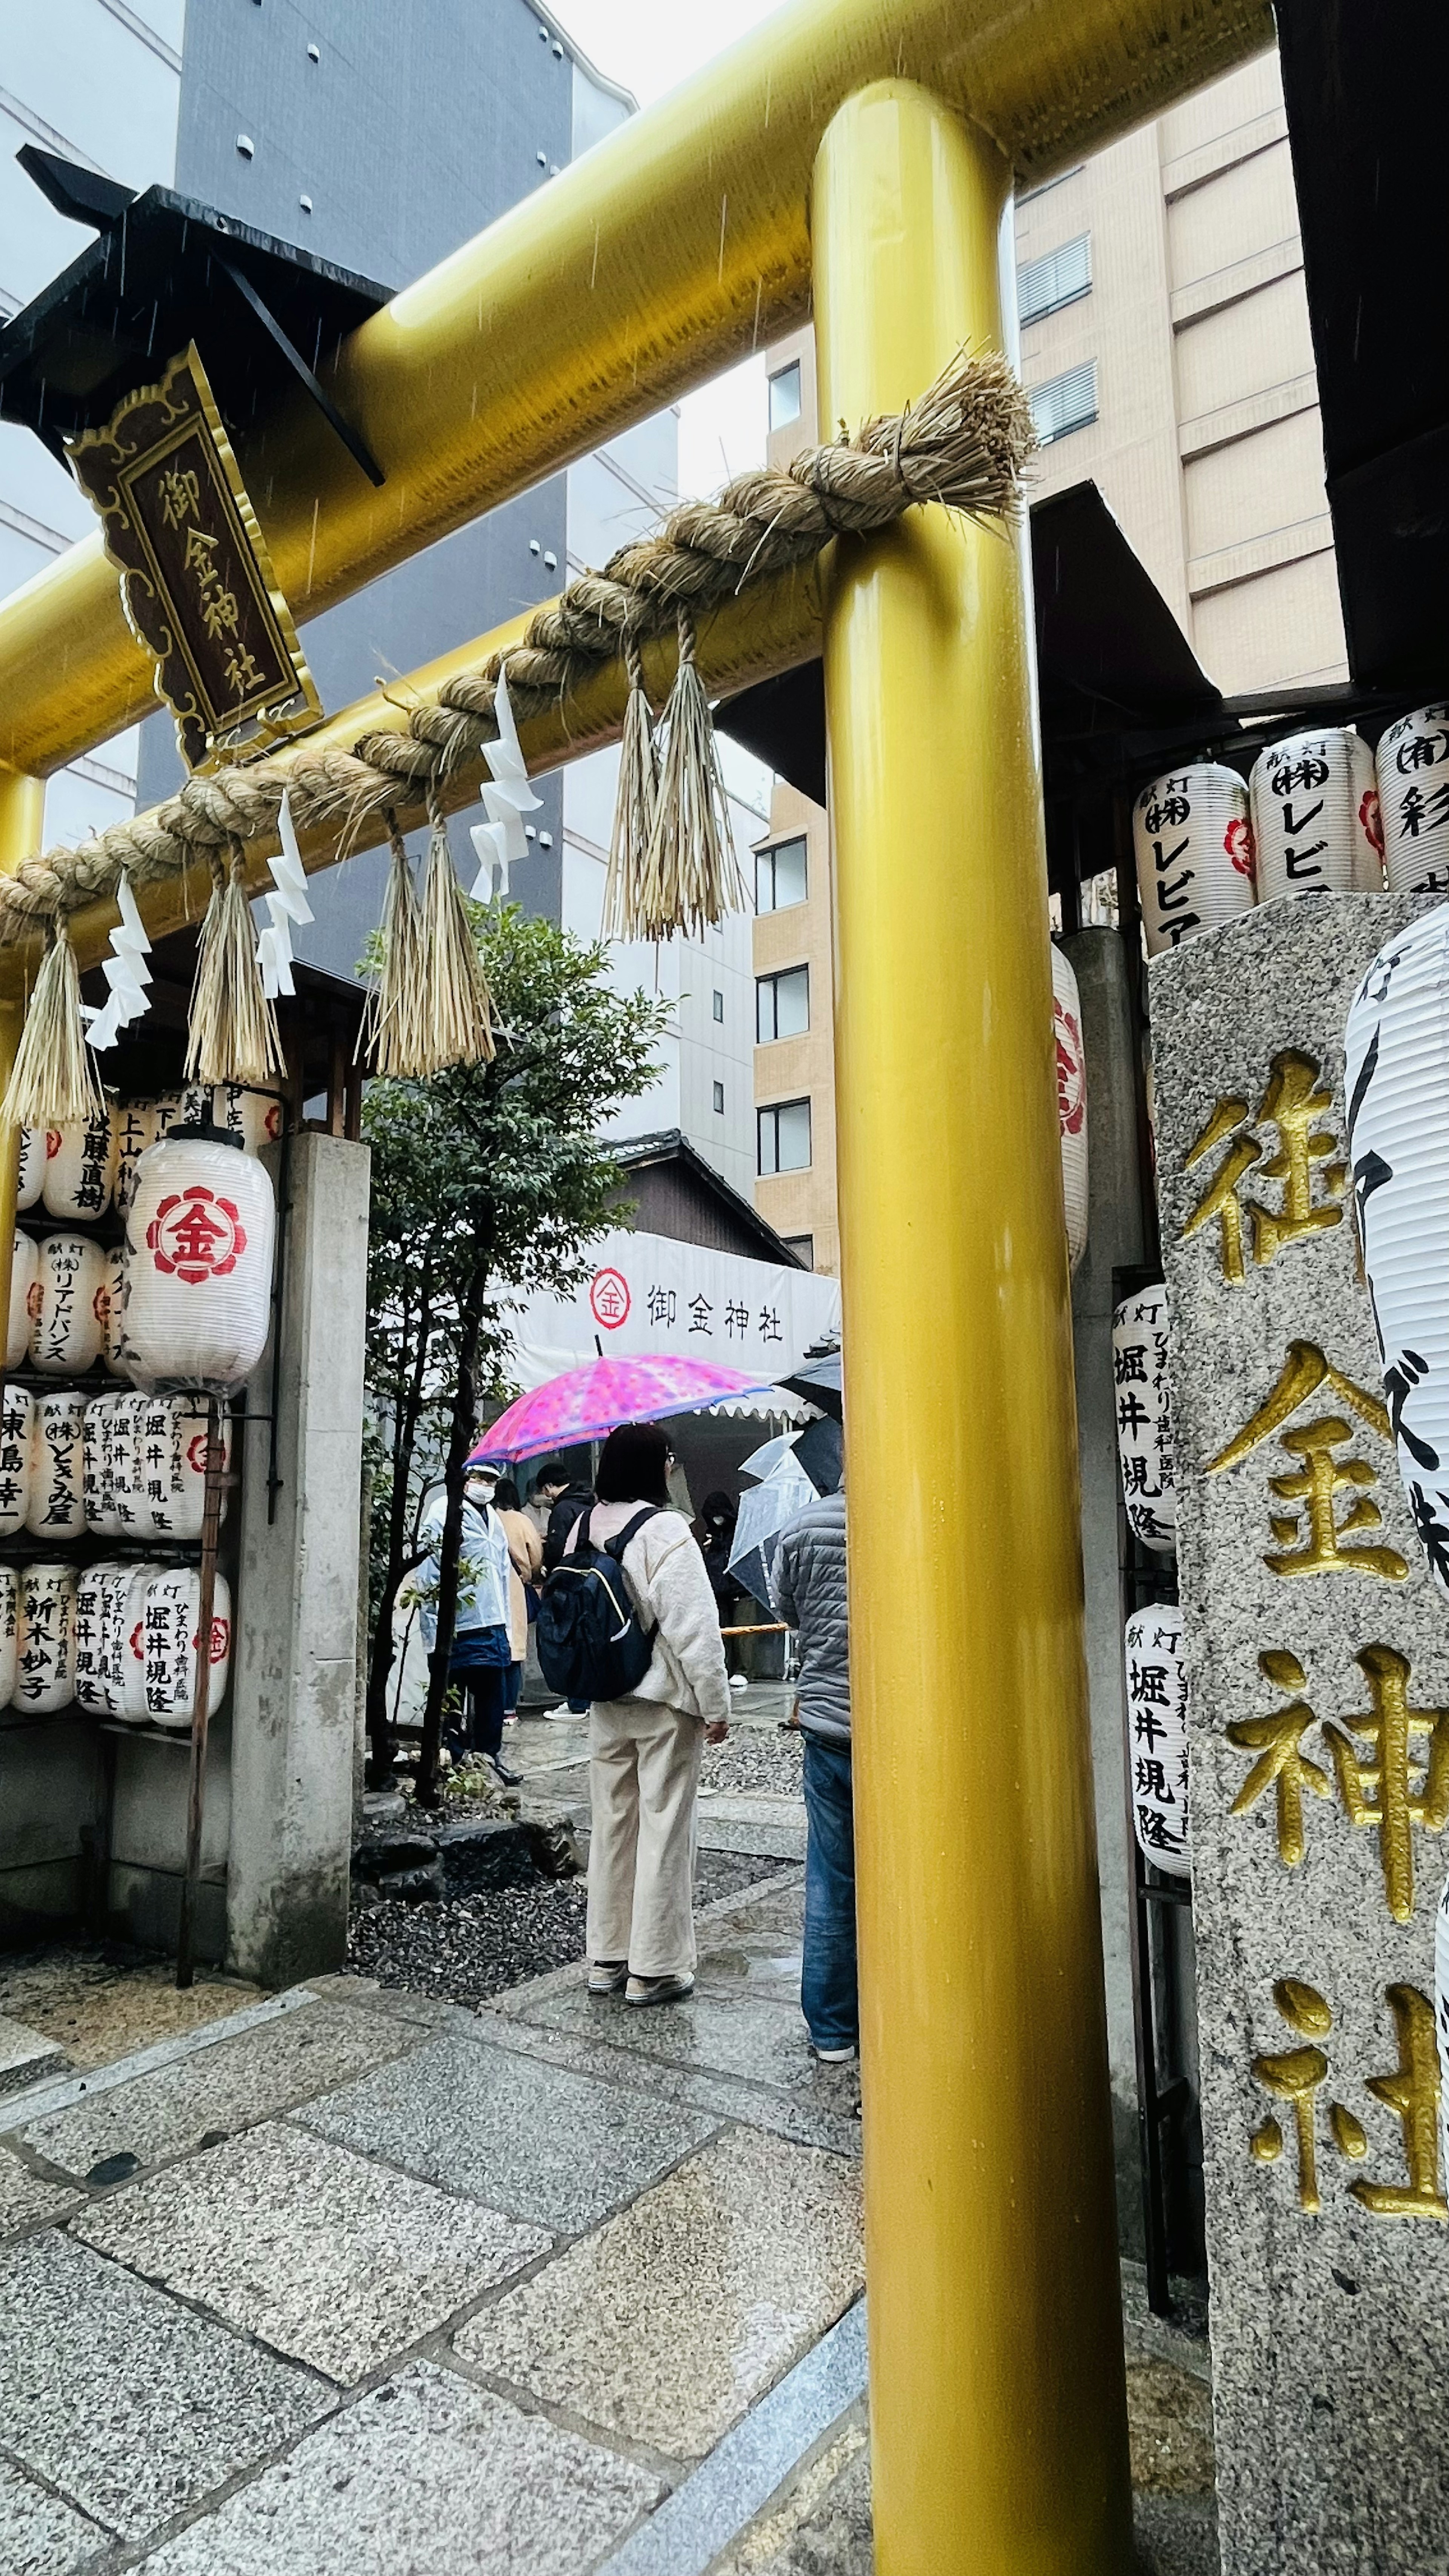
<point>669,1587</point>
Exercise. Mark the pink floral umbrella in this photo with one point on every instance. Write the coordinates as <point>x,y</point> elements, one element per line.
<point>585,1403</point>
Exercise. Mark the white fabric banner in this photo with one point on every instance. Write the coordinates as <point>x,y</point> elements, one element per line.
<point>651,1295</point>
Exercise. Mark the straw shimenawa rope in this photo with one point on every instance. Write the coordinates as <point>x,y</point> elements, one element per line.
<point>963,445</point>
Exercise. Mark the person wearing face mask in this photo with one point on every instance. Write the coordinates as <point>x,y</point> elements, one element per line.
<point>482,1651</point>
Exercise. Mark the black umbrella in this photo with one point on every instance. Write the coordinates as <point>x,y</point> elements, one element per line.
<point>819,1382</point>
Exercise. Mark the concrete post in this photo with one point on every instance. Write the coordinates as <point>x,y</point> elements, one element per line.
<point>294,1707</point>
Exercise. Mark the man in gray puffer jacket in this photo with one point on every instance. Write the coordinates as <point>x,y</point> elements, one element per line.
<point>809,1586</point>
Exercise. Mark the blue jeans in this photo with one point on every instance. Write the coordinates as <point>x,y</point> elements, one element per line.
<point>827,1982</point>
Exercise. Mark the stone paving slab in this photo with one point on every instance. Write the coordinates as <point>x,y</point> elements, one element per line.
<point>730,2035</point>
<point>25,2058</point>
<point>219,2088</point>
<point>130,2405</point>
<point>424,2476</point>
<point>668,2321</point>
<point>334,2260</point>
<point>773,1841</point>
<point>25,2199</point>
<point>40,2536</point>
<point>823,2112</point>
<point>528,2138</point>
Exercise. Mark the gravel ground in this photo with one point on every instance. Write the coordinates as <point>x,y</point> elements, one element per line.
<point>755,1760</point>
<point>481,1941</point>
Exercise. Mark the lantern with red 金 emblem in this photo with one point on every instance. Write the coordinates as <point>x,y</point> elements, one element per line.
<point>1071,1100</point>
<point>199,1237</point>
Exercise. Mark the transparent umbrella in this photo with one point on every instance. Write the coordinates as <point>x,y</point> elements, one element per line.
<point>765,1512</point>
<point>764,1460</point>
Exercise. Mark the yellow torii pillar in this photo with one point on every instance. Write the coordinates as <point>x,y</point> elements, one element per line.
<point>998,2405</point>
<point>22,815</point>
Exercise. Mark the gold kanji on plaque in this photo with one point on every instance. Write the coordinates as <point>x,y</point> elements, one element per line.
<point>1315,1536</point>
<point>1305,1165</point>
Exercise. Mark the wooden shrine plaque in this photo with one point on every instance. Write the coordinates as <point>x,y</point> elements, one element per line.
<point>196,576</point>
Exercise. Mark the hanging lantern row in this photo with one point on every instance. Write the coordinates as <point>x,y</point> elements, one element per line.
<point>84,1168</point>
<point>1143,1399</point>
<point>116,1466</point>
<point>118,1640</point>
<point>1071,1099</point>
<point>1320,810</point>
<point>1157,1736</point>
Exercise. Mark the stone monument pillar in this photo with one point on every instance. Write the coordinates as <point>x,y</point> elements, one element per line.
<point>1319,1726</point>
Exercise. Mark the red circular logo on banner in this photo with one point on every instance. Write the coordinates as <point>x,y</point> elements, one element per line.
<point>196,1235</point>
<point>609,1299</point>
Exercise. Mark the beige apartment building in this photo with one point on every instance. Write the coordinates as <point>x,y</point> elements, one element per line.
<point>1166,348</point>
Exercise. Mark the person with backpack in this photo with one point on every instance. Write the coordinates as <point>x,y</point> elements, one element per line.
<point>628,1619</point>
<point>809,1588</point>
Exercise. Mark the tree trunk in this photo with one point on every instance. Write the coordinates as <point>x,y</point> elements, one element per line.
<point>400,1559</point>
<point>461,1435</point>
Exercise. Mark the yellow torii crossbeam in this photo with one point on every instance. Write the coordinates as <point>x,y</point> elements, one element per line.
<point>862,149</point>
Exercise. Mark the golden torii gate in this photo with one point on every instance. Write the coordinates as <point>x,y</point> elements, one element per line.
<point>858,154</point>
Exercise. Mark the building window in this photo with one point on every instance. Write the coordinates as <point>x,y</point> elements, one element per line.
<point>785,396</point>
<point>719,1100</point>
<point>1060,277</point>
<point>784,1137</point>
<point>803,1247</point>
<point>718,1003</point>
<point>782,1005</point>
<point>1066,403</point>
<point>780,876</point>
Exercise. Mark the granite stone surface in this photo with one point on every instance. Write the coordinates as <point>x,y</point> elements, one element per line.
<point>130,2405</point>
<point>422,2476</point>
<point>534,2140</point>
<point>220,2088</point>
<point>729,2034</point>
<point>26,2057</point>
<point>25,2198</point>
<point>676,2314</point>
<point>326,2256</point>
<point>40,2536</point>
<point>1318,1667</point>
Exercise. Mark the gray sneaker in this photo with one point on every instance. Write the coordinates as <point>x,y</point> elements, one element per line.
<point>608,1976</point>
<point>658,1990</point>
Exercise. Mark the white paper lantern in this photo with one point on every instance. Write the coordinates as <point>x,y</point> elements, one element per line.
<point>30,1180</point>
<point>192,1441</point>
<point>112,1480</point>
<point>9,1631</point>
<point>24,1265</point>
<point>199,1265</point>
<point>172,1636</point>
<point>169,1110</point>
<point>1413,767</point>
<point>45,1656</point>
<point>1143,1397</point>
<point>134,1126</point>
<point>1157,1737</point>
<point>55,1506</point>
<point>17,1423</point>
<point>131,1642</point>
<point>114,1346</point>
<point>80,1168</point>
<point>1396,1070</point>
<point>1315,815</point>
<point>1194,846</point>
<point>69,1311</point>
<point>254,1117</point>
<point>95,1636</point>
<point>1071,1100</point>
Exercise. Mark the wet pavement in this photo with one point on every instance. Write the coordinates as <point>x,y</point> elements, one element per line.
<point>360,2278</point>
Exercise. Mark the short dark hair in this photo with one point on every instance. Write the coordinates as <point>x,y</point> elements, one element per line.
<point>633,1465</point>
<point>552,1472</point>
<point>505,1495</point>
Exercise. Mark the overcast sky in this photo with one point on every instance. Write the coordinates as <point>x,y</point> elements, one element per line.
<point>650,45</point>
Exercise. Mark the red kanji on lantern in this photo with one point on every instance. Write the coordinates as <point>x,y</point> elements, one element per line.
<point>1071,1079</point>
<point>197,1235</point>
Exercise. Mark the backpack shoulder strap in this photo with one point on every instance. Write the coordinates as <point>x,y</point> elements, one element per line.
<point>615,1547</point>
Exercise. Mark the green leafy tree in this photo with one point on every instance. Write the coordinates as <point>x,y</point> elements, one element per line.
<point>489,1181</point>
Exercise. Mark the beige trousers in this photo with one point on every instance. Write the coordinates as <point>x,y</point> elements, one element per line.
<point>643,1776</point>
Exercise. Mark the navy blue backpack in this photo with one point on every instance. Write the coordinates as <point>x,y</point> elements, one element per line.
<point>592,1643</point>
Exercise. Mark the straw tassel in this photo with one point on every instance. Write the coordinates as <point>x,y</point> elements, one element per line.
<point>233,1034</point>
<point>691,878</point>
<point>53,1083</point>
<point>456,1027</point>
<point>392,1026</point>
<point>634,808</point>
